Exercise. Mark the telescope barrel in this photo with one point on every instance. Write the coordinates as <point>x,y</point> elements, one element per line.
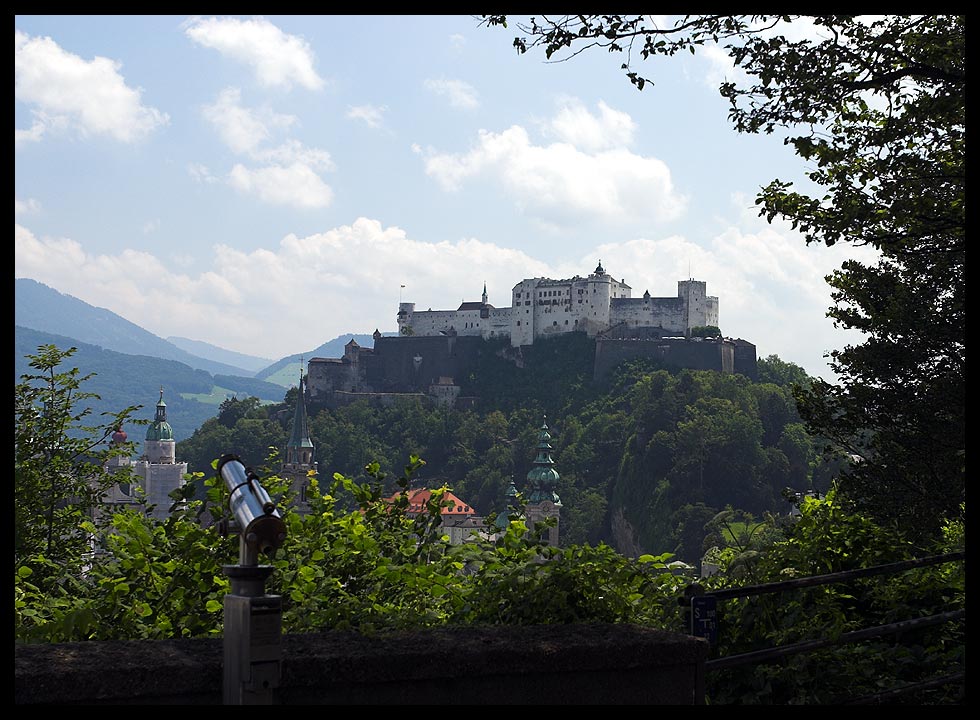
<point>261,527</point>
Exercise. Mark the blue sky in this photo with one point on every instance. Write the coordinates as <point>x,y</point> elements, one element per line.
<point>266,184</point>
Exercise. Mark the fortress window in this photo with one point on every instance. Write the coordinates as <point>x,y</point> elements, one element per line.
<point>518,323</point>
<point>566,322</point>
<point>554,324</point>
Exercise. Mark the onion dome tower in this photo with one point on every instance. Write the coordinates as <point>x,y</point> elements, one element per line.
<point>510,508</point>
<point>542,481</point>
<point>158,471</point>
<point>160,446</point>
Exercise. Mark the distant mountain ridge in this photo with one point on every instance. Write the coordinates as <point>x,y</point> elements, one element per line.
<point>219,354</point>
<point>131,363</point>
<point>122,380</point>
<point>43,308</point>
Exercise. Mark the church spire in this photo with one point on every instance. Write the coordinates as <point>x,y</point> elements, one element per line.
<point>542,481</point>
<point>299,451</point>
<point>484,292</point>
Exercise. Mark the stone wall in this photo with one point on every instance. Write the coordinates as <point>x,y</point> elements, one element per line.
<point>716,355</point>
<point>498,665</point>
<point>414,364</point>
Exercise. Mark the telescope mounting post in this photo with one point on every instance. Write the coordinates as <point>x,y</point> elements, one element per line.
<point>252,619</point>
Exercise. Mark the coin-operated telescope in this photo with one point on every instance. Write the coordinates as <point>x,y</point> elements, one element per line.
<point>253,620</point>
<point>255,516</point>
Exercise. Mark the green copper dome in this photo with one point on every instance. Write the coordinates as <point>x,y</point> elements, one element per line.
<point>542,479</point>
<point>503,517</point>
<point>160,429</point>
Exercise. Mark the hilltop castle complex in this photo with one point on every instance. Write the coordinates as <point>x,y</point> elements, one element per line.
<point>541,307</point>
<point>436,347</point>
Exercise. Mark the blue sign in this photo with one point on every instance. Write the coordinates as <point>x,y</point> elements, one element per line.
<point>704,617</point>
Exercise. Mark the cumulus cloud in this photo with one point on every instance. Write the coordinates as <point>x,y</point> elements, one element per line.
<point>279,60</point>
<point>575,125</point>
<point>589,176</point>
<point>460,94</point>
<point>241,128</point>
<point>372,115</point>
<point>29,206</point>
<point>769,282</point>
<point>287,174</point>
<point>288,284</point>
<point>295,185</point>
<point>64,90</point>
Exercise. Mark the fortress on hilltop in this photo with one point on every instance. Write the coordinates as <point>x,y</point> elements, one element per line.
<point>541,307</point>
<point>435,347</point>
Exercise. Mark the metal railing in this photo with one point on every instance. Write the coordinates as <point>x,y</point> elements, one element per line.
<point>702,621</point>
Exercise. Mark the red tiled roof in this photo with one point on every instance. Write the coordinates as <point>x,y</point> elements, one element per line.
<point>419,498</point>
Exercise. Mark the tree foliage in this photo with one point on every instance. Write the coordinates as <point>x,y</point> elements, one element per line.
<point>58,455</point>
<point>374,567</point>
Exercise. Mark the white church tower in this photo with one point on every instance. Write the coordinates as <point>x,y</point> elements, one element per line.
<point>157,471</point>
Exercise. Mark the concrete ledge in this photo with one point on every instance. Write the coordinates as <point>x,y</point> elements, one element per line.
<point>500,665</point>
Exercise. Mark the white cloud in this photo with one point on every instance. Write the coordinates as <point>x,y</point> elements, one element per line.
<point>34,134</point>
<point>287,286</point>
<point>720,67</point>
<point>294,185</point>
<point>26,207</point>
<point>64,90</point>
<point>457,41</point>
<point>278,59</point>
<point>288,174</point>
<point>293,152</point>
<point>575,125</point>
<point>201,173</point>
<point>241,128</point>
<point>372,115</point>
<point>769,283</point>
<point>460,94</point>
<point>561,185</point>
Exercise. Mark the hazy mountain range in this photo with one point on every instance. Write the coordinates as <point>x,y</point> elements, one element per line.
<point>132,364</point>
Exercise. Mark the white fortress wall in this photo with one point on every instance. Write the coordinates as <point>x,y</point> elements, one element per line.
<point>542,307</point>
<point>498,324</point>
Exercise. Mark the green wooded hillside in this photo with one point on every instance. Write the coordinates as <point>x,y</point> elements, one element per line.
<point>645,460</point>
<point>122,380</point>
